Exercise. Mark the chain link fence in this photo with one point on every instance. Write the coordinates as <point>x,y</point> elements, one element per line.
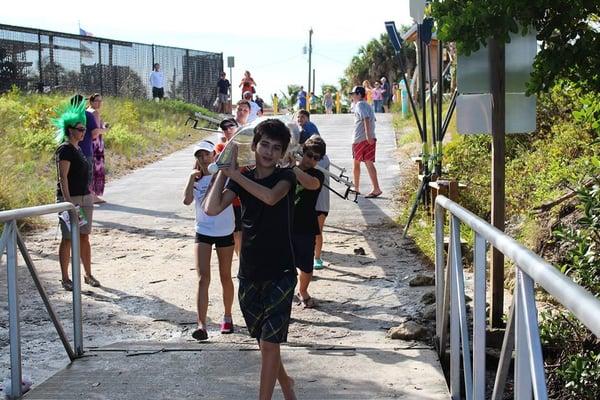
<point>46,61</point>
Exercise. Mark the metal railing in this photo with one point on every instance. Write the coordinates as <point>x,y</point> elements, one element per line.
<point>9,241</point>
<point>522,334</point>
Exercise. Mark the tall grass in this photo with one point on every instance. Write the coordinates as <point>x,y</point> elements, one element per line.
<point>141,131</point>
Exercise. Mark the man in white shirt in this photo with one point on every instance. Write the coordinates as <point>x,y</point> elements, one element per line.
<point>157,81</point>
<point>254,108</point>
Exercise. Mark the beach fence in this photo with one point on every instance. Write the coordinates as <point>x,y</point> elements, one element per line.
<point>37,60</point>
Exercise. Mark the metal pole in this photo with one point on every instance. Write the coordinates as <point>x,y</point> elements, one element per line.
<point>75,263</point>
<point>454,315</point>
<point>497,84</point>
<point>313,81</point>
<point>440,94</point>
<point>431,103</point>
<point>187,75</point>
<point>439,269</point>
<point>479,260</point>
<point>100,67</point>
<point>13,310</point>
<point>230,91</point>
<point>40,65</point>
<point>310,32</point>
<point>425,150</point>
<point>53,316</point>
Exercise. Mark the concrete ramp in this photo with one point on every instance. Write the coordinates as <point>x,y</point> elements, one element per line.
<point>151,370</point>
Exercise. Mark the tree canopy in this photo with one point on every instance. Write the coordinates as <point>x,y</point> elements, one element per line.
<point>568,34</point>
<point>376,59</point>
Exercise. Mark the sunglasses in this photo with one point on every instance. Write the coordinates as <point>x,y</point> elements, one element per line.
<point>314,156</point>
<point>80,129</point>
<point>229,127</point>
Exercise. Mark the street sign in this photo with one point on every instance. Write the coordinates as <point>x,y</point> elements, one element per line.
<point>474,104</point>
<point>417,10</point>
<point>230,62</point>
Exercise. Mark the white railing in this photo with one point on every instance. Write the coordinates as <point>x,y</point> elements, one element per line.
<point>522,334</point>
<point>9,241</point>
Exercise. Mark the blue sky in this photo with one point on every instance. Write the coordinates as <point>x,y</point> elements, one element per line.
<point>265,37</point>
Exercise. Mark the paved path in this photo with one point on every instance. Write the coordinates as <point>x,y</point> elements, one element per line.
<point>143,248</point>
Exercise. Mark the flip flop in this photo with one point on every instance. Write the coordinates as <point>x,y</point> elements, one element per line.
<point>373,195</point>
<point>308,303</point>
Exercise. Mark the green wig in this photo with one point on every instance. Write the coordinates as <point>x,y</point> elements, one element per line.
<point>69,115</point>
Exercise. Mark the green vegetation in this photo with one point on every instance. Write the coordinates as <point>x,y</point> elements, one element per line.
<point>141,130</point>
<point>376,59</point>
<point>568,37</point>
<point>562,155</point>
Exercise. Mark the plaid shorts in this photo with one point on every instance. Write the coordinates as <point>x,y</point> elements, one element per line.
<point>267,306</point>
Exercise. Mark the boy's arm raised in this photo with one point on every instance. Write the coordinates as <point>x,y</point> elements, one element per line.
<point>218,198</point>
<point>307,181</point>
<point>263,193</point>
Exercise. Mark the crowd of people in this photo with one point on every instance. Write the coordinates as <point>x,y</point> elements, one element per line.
<point>271,214</point>
<point>282,212</point>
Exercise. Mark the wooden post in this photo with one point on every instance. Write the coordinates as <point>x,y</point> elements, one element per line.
<point>497,85</point>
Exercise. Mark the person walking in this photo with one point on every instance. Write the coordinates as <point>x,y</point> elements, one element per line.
<point>210,230</point>
<point>322,208</point>
<point>306,224</point>
<point>267,274</point>
<point>157,82</point>
<point>364,143</point>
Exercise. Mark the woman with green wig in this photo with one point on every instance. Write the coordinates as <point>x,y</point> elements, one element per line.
<point>73,187</point>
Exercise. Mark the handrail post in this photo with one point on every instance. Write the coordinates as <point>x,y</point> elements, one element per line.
<point>439,270</point>
<point>536,359</point>
<point>454,320</point>
<point>479,280</point>
<point>13,309</point>
<point>76,267</point>
<point>522,386</point>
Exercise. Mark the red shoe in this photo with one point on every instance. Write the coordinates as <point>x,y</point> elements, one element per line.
<point>226,327</point>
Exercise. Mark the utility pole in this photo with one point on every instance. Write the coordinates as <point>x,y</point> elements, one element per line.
<point>310,32</point>
<point>313,81</point>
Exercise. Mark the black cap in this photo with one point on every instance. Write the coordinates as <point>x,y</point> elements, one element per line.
<point>358,90</point>
<point>226,123</point>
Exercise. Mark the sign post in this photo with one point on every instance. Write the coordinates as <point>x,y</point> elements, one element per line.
<point>498,92</point>
<point>230,65</point>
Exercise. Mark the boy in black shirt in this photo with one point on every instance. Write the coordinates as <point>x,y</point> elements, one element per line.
<point>267,274</point>
<point>306,224</point>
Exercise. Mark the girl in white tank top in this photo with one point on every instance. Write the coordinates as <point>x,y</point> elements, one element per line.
<point>210,230</point>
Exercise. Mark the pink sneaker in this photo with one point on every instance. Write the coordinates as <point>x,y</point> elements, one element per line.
<point>226,327</point>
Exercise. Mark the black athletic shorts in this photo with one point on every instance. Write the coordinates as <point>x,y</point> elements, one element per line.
<point>218,241</point>
<point>266,307</point>
<point>304,251</point>
<point>158,92</point>
<point>237,213</point>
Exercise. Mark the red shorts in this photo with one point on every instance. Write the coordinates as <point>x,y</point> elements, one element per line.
<point>363,151</point>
